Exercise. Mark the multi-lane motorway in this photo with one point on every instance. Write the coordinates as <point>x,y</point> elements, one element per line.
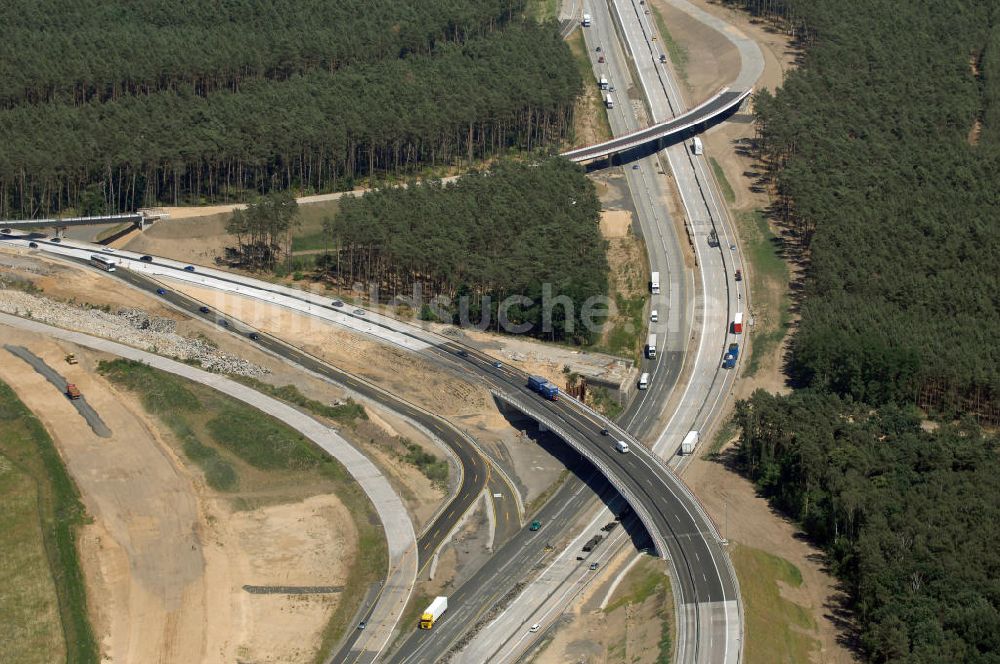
<point>709,621</point>
<point>653,489</point>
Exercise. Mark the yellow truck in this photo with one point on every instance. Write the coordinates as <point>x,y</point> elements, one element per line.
<point>433,612</point>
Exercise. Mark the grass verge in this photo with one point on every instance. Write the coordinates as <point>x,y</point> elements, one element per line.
<point>43,607</point>
<point>605,404</point>
<point>590,108</point>
<point>268,460</point>
<point>722,436</point>
<point>434,468</point>
<point>309,235</point>
<point>678,54</point>
<point>720,177</point>
<point>623,339</point>
<point>347,412</point>
<point>777,629</point>
<point>769,286</point>
<point>648,582</point>
<point>543,10</point>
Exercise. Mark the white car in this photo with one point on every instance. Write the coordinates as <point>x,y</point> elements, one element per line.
<point>108,249</point>
<point>535,628</point>
<point>654,316</point>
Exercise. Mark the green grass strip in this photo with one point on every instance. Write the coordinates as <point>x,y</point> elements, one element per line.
<point>25,442</point>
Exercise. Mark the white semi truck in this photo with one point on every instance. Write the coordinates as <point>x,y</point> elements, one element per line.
<point>651,346</point>
<point>654,283</point>
<point>433,612</point>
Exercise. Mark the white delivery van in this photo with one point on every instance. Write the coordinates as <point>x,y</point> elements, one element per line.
<point>622,446</point>
<point>696,146</point>
<point>644,381</point>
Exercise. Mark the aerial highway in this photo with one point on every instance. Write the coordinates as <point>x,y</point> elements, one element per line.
<point>711,621</point>
<point>670,523</point>
<point>477,471</point>
<point>716,298</point>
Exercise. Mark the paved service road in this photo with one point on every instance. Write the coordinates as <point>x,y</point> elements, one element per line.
<point>85,409</point>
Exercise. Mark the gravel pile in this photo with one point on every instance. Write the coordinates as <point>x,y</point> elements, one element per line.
<point>132,327</point>
<point>140,320</point>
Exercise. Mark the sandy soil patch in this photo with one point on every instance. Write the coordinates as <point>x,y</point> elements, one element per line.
<point>165,558</point>
<point>712,60</point>
<point>68,282</point>
<point>393,368</point>
<point>143,554</point>
<point>190,238</point>
<point>615,223</point>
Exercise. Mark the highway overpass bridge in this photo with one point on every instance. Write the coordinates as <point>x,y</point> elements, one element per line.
<point>654,138</point>
<point>680,529</point>
<point>139,219</point>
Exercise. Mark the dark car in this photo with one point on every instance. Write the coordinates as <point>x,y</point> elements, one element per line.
<point>462,353</point>
<point>359,312</point>
<point>337,303</point>
<point>594,566</point>
<point>161,291</point>
<point>223,322</point>
<point>33,245</point>
<point>147,259</point>
<point>362,624</point>
<point>57,240</point>
<point>189,268</point>
<point>204,310</point>
<point>6,231</point>
<point>601,59</point>
<point>254,336</point>
<point>739,275</point>
<point>535,525</point>
<point>604,432</point>
<point>497,365</point>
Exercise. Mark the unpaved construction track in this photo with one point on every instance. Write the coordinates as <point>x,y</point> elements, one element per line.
<point>84,408</point>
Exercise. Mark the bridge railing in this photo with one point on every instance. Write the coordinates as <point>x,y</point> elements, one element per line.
<point>659,543</point>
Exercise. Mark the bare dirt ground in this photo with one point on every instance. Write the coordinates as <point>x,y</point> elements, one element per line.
<point>712,60</point>
<point>629,632</point>
<point>197,238</point>
<point>615,223</point>
<point>71,283</point>
<point>165,558</point>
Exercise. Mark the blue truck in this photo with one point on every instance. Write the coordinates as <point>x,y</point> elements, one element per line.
<point>543,387</point>
<point>729,360</point>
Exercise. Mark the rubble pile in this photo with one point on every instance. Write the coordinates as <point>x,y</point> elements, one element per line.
<point>133,327</point>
